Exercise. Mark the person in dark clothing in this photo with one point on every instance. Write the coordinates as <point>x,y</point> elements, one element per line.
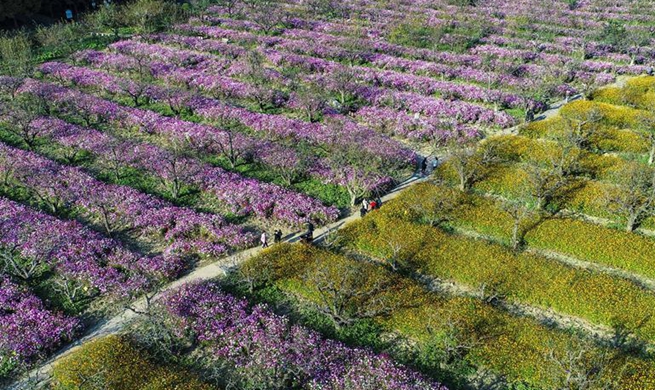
<point>362,211</point>
<point>378,202</point>
<point>424,165</point>
<point>277,236</point>
<point>529,115</point>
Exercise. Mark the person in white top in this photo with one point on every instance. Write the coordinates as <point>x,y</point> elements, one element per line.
<point>264,240</point>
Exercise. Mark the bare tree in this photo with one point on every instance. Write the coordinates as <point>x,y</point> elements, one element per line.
<point>354,170</point>
<point>20,114</point>
<point>268,14</point>
<point>473,162</point>
<point>434,205</point>
<point>311,101</point>
<point>582,366</point>
<point>343,85</point>
<point>581,126</point>
<point>552,174</point>
<point>646,130</point>
<point>520,211</point>
<point>348,290</point>
<point>633,197</point>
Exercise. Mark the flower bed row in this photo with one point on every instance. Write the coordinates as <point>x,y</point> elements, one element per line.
<point>119,209</point>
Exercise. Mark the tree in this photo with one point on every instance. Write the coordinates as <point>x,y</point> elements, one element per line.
<point>646,130</point>
<point>268,14</point>
<point>327,8</point>
<point>140,93</point>
<point>348,290</point>
<point>582,366</point>
<point>149,16</point>
<point>227,142</point>
<point>434,205</point>
<point>626,39</point>
<point>310,98</point>
<point>16,55</point>
<point>61,38</point>
<point>489,65</point>
<point>287,163</point>
<point>109,17</point>
<point>581,126</point>
<point>633,197</point>
<point>343,86</point>
<point>520,211</point>
<point>471,161</point>
<point>12,9</point>
<point>354,170</point>
<point>20,114</point>
<point>551,173</point>
<point>232,7</point>
<point>260,89</point>
<point>416,32</point>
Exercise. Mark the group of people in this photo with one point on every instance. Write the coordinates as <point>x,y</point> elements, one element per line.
<point>369,205</point>
<point>277,238</point>
<point>308,236</point>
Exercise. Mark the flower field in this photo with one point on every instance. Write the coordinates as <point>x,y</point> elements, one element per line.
<point>145,140</point>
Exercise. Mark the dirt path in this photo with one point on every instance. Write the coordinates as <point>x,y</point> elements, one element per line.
<point>39,377</point>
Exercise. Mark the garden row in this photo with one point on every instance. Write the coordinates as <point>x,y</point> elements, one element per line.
<point>448,337</point>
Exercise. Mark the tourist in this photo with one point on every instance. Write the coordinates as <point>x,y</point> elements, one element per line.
<point>372,205</point>
<point>277,236</point>
<point>362,211</point>
<point>365,203</point>
<point>424,165</point>
<point>264,240</point>
<point>378,202</point>
<point>435,162</point>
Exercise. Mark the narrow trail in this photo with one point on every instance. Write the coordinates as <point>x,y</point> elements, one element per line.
<point>39,377</point>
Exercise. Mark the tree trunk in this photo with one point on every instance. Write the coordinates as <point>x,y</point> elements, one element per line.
<point>463,183</point>
<point>515,234</point>
<point>631,223</point>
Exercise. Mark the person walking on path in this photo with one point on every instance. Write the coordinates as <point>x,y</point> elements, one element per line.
<point>435,163</point>
<point>277,236</point>
<point>424,165</point>
<point>378,202</point>
<point>365,204</point>
<point>264,240</point>
<point>372,206</point>
<point>362,211</point>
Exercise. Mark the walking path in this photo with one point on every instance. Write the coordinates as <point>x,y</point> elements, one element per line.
<point>39,377</point>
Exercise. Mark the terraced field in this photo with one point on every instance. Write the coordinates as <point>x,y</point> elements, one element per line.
<point>525,260</point>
